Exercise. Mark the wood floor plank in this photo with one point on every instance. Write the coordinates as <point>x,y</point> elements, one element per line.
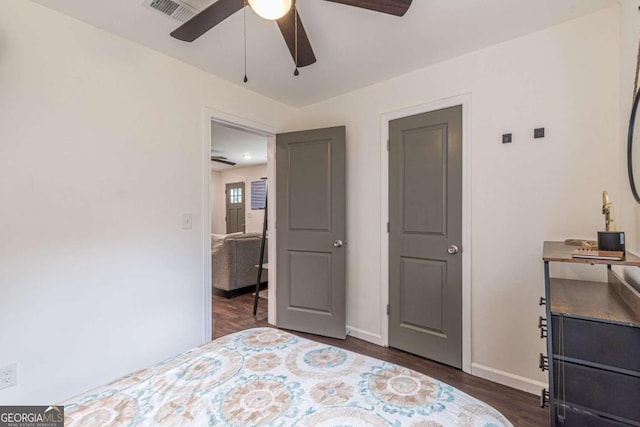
<point>522,409</point>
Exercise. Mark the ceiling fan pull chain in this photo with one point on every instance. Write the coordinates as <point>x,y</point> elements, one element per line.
<point>295,11</point>
<point>244,12</point>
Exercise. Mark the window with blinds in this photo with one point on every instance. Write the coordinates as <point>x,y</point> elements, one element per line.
<point>258,194</point>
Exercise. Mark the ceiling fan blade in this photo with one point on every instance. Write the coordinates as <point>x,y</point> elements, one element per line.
<point>391,7</point>
<point>226,162</point>
<point>207,19</point>
<point>288,30</point>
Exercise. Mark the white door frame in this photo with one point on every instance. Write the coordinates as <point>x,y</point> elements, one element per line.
<point>240,123</point>
<point>465,101</point>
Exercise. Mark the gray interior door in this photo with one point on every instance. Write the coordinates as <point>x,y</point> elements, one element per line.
<point>425,234</point>
<point>311,230</point>
<point>235,207</point>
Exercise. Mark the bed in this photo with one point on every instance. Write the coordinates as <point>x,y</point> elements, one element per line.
<point>266,376</point>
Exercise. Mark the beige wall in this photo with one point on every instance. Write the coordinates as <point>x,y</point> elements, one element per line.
<point>254,220</point>
<point>564,79</point>
<point>101,152</point>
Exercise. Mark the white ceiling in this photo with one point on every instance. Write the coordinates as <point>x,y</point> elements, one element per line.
<point>235,145</point>
<point>354,47</point>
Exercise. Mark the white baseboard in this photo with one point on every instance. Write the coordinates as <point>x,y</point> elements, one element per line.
<point>505,378</point>
<point>501,377</point>
<point>364,335</point>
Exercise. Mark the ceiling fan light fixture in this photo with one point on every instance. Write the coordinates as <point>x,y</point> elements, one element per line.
<point>270,9</point>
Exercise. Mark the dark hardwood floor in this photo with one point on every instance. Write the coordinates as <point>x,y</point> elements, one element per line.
<point>522,409</point>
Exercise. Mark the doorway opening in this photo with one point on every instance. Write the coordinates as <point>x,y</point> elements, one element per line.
<point>318,184</point>
<point>239,155</point>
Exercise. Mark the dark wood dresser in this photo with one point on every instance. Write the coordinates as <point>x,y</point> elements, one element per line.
<point>593,345</point>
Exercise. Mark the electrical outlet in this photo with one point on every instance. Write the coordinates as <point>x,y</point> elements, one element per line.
<point>8,375</point>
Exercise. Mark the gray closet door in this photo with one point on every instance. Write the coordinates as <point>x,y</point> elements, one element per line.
<point>235,207</point>
<point>425,213</point>
<point>311,229</point>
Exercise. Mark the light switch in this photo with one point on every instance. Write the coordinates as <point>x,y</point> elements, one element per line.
<point>187,221</point>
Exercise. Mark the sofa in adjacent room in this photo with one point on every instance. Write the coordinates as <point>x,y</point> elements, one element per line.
<point>234,258</point>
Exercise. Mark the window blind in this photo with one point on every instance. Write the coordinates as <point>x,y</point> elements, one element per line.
<point>258,194</point>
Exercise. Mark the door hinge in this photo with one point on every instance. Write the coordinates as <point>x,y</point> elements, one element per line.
<point>388,227</point>
<point>388,309</point>
<point>387,145</point>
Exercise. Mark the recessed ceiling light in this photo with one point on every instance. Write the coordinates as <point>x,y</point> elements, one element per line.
<point>247,156</point>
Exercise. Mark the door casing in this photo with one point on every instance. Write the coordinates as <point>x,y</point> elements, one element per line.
<point>465,101</point>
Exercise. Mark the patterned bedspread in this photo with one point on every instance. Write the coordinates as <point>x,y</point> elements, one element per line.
<point>269,377</point>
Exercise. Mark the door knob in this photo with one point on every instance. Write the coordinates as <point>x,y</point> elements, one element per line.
<point>453,249</point>
<point>337,243</point>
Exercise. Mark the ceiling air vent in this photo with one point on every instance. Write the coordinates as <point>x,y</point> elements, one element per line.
<point>174,9</point>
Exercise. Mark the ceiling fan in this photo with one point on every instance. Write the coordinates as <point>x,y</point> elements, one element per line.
<point>222,159</point>
<point>284,14</point>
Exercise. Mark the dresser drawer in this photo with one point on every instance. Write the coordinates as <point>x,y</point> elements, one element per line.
<point>597,342</point>
<point>601,390</point>
<point>577,418</point>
